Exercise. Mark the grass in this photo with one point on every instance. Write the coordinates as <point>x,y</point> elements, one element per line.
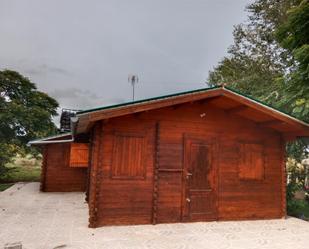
<point>25,169</point>
<point>4,186</point>
<point>19,173</point>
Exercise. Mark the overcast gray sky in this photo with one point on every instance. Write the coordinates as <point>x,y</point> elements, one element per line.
<point>81,52</point>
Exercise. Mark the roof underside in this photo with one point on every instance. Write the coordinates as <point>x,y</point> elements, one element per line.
<point>225,98</point>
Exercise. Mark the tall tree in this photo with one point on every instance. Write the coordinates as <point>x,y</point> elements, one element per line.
<point>25,113</point>
<point>256,62</point>
<point>269,59</point>
<point>293,35</point>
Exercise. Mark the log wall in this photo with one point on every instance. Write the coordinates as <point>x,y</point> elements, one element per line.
<point>57,176</point>
<point>154,191</point>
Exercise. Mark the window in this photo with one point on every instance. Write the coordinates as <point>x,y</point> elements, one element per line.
<point>251,165</point>
<point>128,156</point>
<point>79,154</point>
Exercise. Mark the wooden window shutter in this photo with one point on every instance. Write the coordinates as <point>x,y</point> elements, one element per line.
<point>251,165</point>
<point>128,156</point>
<point>79,154</point>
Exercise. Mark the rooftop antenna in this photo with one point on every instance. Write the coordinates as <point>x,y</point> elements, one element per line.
<point>133,79</point>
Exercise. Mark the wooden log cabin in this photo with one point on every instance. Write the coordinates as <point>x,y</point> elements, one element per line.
<point>204,155</point>
<point>64,166</point>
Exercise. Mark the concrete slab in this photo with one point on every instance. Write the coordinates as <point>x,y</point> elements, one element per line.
<point>59,220</point>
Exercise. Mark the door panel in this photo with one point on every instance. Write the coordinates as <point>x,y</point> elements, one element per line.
<point>199,181</point>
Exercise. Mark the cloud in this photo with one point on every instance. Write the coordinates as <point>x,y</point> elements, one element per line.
<point>83,57</point>
<point>45,69</point>
<point>76,98</point>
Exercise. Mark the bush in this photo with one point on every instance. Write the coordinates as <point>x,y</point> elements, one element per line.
<point>296,208</point>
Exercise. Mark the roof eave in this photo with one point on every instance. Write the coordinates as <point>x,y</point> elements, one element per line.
<point>87,119</point>
<point>93,116</point>
<point>51,139</point>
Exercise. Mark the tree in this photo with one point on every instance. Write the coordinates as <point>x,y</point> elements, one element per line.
<point>293,35</point>
<point>256,62</point>
<point>25,113</point>
<point>269,59</point>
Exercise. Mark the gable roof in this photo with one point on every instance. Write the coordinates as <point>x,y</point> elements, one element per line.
<point>147,100</point>
<point>224,97</point>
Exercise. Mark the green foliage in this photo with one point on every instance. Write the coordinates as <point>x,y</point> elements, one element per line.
<point>269,59</point>
<point>296,172</point>
<point>256,62</point>
<point>298,208</point>
<point>290,191</point>
<point>293,35</point>
<point>26,113</point>
<point>296,150</point>
<point>292,187</point>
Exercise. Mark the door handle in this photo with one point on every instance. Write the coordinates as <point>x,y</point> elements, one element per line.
<point>188,200</point>
<point>188,175</point>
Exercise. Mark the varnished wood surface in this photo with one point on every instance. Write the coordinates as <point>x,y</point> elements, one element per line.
<point>79,155</point>
<point>131,201</point>
<point>232,102</point>
<point>199,181</point>
<point>58,176</point>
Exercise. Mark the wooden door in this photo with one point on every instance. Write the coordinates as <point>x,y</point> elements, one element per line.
<point>199,202</point>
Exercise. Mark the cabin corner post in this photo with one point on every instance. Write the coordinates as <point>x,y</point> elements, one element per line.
<point>94,185</point>
<point>155,175</point>
<point>44,168</point>
<point>284,178</point>
<point>89,166</point>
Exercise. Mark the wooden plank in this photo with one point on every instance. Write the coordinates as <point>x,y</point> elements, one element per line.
<point>79,155</point>
<point>58,176</point>
<point>171,170</point>
<point>44,168</point>
<point>210,100</point>
<point>252,160</point>
<point>283,178</point>
<point>130,151</point>
<point>236,109</point>
<point>156,175</point>
<point>94,182</point>
<point>91,145</point>
<point>270,122</point>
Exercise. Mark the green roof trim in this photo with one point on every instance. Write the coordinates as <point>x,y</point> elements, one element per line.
<point>147,100</point>
<point>185,93</point>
